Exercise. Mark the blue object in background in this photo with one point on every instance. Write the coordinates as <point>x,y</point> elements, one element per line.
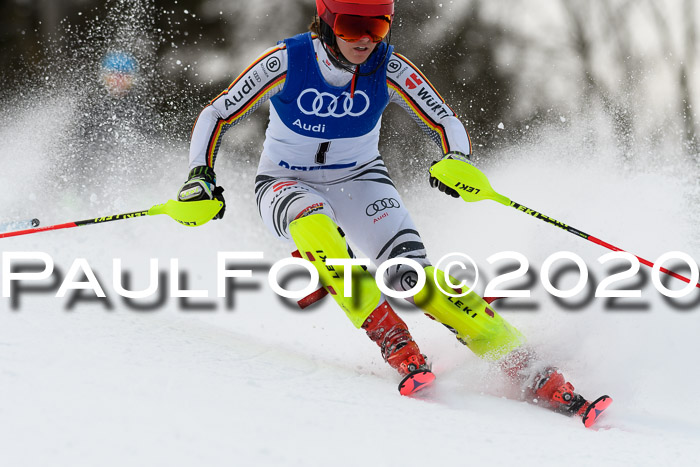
<point>121,62</point>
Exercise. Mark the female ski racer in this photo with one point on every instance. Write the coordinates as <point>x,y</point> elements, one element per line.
<point>321,177</point>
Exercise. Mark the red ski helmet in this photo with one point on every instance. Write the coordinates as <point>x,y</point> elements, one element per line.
<point>353,19</point>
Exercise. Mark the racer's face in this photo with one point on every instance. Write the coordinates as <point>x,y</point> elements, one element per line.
<point>356,52</point>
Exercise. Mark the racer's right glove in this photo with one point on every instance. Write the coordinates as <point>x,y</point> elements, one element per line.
<point>201,185</point>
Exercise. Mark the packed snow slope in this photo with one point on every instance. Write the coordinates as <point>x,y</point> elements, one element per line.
<point>250,380</point>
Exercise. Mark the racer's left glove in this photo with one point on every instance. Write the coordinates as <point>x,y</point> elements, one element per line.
<point>435,183</point>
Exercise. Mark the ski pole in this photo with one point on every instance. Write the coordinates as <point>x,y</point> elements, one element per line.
<point>191,213</point>
<point>18,225</point>
<point>472,185</point>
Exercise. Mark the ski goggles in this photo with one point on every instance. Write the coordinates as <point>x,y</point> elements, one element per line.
<point>352,28</point>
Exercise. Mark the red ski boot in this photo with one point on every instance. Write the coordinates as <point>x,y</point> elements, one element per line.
<point>551,387</point>
<point>398,349</point>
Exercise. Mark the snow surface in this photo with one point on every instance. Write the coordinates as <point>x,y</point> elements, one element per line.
<point>250,380</point>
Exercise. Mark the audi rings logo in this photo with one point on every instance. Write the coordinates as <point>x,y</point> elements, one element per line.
<point>380,205</point>
<point>324,104</point>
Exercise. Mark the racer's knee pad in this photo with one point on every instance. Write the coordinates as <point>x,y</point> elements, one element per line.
<point>474,322</point>
<point>318,238</point>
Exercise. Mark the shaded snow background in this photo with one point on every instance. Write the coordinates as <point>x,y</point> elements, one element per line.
<point>250,380</point>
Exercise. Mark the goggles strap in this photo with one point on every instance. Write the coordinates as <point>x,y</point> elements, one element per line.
<point>354,81</point>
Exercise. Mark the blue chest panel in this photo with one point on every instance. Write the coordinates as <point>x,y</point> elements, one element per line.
<point>311,107</point>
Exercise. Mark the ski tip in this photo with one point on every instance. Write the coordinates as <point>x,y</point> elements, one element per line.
<point>594,410</point>
<point>416,381</point>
